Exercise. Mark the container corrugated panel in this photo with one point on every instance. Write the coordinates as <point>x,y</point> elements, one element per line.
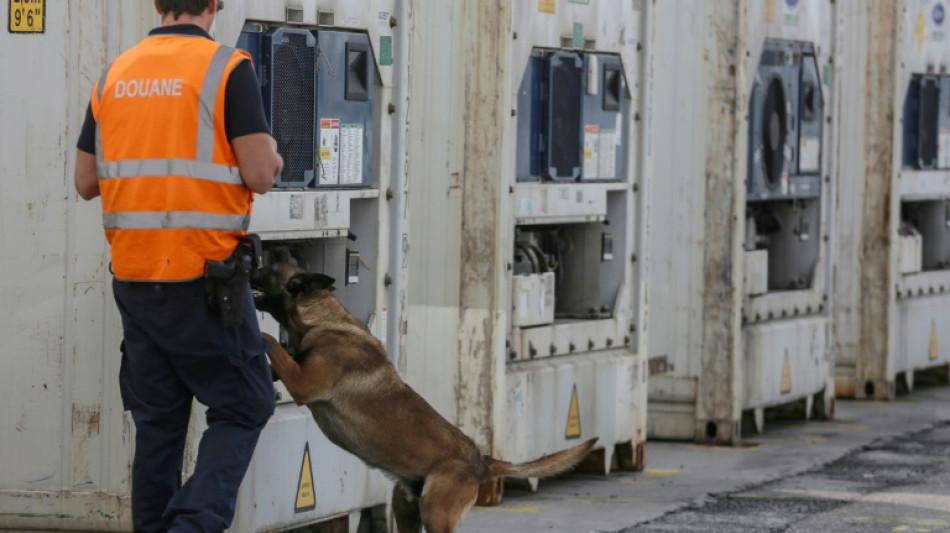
<point>65,454</point>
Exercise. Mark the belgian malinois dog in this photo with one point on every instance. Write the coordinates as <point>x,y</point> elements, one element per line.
<point>341,372</point>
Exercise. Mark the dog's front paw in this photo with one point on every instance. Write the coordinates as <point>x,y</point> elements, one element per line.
<point>270,338</point>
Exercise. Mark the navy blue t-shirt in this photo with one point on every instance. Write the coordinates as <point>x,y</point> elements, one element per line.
<point>243,108</point>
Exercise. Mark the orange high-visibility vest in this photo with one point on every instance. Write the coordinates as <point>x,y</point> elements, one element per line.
<point>172,195</point>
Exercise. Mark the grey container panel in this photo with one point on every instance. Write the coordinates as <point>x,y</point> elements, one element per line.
<point>811,109</point>
<point>528,155</point>
<point>933,221</point>
<point>943,124</point>
<point>346,84</point>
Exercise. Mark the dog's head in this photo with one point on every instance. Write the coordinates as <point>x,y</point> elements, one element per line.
<point>277,285</point>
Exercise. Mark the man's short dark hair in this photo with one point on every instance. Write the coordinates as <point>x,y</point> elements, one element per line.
<point>192,7</point>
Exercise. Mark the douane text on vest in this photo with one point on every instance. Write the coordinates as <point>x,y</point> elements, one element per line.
<point>146,88</point>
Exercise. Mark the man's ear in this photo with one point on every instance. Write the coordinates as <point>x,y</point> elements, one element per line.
<point>302,284</point>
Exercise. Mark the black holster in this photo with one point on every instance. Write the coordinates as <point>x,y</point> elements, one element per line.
<point>226,282</point>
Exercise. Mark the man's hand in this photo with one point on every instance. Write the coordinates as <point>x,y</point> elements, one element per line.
<point>258,160</point>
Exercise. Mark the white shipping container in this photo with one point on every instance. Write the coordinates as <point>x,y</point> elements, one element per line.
<point>893,285</point>
<point>524,386</point>
<point>65,464</point>
<point>721,346</point>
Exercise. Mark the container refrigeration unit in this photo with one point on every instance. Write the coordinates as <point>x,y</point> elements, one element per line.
<point>741,221</point>
<point>333,85</point>
<point>894,273</point>
<point>528,275</point>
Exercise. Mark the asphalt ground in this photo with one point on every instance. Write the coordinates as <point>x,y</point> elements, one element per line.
<point>877,467</point>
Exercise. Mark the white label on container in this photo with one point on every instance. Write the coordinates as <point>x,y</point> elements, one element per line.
<point>607,155</point>
<point>943,148</point>
<point>809,154</point>
<point>329,151</point>
<point>591,148</point>
<point>296,206</point>
<point>541,300</point>
<point>525,206</point>
<point>383,325</point>
<point>522,304</point>
<point>351,154</point>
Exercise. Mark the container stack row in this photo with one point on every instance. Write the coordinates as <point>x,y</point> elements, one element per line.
<point>564,219</point>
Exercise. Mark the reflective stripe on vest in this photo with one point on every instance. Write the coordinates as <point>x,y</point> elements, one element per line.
<point>180,229</point>
<point>168,167</point>
<point>174,219</point>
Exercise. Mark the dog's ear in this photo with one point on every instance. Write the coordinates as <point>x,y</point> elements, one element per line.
<point>300,284</point>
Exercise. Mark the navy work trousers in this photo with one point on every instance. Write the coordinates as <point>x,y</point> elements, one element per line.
<point>177,349</point>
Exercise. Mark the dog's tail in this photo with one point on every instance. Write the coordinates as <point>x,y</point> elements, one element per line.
<point>549,465</point>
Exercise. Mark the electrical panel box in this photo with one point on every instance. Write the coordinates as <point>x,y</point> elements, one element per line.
<point>911,250</point>
<point>785,116</point>
<point>756,272</point>
<point>345,94</point>
<point>922,122</point>
<point>318,89</point>
<point>602,112</point>
<point>532,297</point>
<point>549,118</point>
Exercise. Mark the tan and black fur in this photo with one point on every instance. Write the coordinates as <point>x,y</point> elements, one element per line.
<point>341,372</point>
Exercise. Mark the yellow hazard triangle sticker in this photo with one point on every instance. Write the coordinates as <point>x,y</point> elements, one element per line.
<point>933,341</point>
<point>786,376</point>
<point>573,429</point>
<point>306,499</point>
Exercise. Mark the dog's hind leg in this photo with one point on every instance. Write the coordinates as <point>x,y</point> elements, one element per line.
<point>408,519</point>
<point>445,500</point>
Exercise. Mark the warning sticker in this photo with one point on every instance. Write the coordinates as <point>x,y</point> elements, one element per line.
<point>573,429</point>
<point>306,498</point>
<point>329,151</point>
<point>351,154</point>
<point>546,6</point>
<point>27,16</point>
<point>786,376</point>
<point>933,341</point>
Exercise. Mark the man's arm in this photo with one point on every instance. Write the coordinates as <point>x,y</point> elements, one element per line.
<point>258,160</point>
<point>87,181</point>
<point>248,132</point>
